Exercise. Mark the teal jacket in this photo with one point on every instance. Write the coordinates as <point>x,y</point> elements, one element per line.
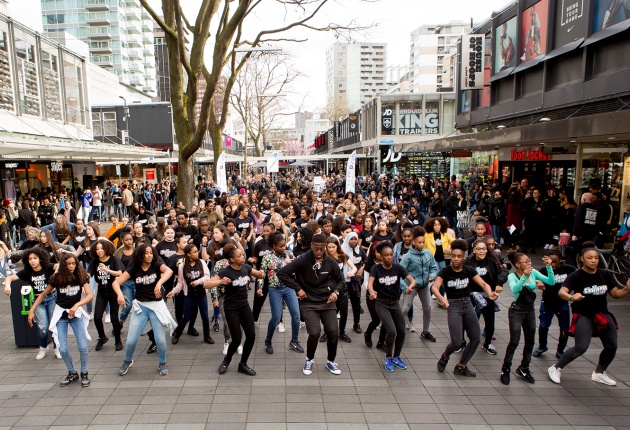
<point>421,265</point>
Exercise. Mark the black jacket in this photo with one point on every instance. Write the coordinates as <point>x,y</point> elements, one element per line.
<point>300,275</point>
<point>46,214</point>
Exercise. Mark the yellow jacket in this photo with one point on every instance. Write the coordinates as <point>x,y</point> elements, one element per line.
<point>429,242</point>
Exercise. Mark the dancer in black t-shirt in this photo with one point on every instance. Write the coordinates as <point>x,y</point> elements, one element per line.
<point>590,286</point>
<point>457,279</point>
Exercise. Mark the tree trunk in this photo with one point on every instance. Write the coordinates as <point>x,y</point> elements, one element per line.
<point>185,181</point>
<point>217,145</point>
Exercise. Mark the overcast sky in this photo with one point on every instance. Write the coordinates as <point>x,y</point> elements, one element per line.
<point>394,20</point>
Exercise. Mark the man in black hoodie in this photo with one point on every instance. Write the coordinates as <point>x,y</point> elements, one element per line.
<point>318,282</point>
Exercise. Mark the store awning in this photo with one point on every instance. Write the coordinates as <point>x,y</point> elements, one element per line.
<point>15,146</point>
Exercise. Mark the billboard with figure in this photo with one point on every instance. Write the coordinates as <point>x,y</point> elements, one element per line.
<point>534,30</point>
<point>505,45</point>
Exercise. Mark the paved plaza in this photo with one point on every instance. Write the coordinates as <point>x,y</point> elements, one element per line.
<point>364,396</point>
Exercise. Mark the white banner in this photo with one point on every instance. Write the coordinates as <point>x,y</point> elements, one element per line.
<point>273,165</point>
<point>471,71</point>
<point>221,174</point>
<point>351,172</point>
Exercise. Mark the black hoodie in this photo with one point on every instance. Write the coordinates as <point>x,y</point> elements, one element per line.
<point>300,275</point>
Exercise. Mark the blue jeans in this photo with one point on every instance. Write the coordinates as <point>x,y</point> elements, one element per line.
<point>276,297</point>
<point>138,321</point>
<point>128,290</point>
<point>496,233</point>
<point>43,315</point>
<point>196,298</point>
<point>97,210</point>
<point>441,265</point>
<point>79,333</point>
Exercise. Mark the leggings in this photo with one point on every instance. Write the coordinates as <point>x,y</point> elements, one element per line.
<point>196,299</point>
<point>328,317</point>
<point>461,316</point>
<point>583,334</point>
<point>259,301</point>
<point>520,317</point>
<point>393,323</point>
<point>425,298</point>
<point>179,312</point>
<point>102,300</point>
<point>237,319</point>
<point>376,320</point>
<point>355,300</point>
<point>488,313</point>
<point>342,308</point>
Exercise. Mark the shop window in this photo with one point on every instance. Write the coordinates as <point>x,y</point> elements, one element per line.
<point>6,88</point>
<point>109,124</point>
<point>51,82</point>
<point>73,81</point>
<point>28,84</point>
<point>96,124</point>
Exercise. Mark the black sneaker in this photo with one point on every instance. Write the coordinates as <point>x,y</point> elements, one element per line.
<point>361,311</point>
<point>380,346</point>
<point>100,343</point>
<point>357,328</point>
<point>462,346</point>
<point>69,379</point>
<point>427,336</point>
<point>174,340</point>
<point>244,368</point>
<point>441,365</point>
<point>323,337</point>
<point>268,347</point>
<point>152,348</point>
<point>490,349</point>
<point>193,332</point>
<point>525,375</point>
<point>464,371</point>
<point>209,340</point>
<point>85,381</point>
<point>215,326</point>
<point>505,376</point>
<point>119,345</point>
<point>223,367</point>
<point>368,340</point>
<point>295,346</point>
<point>344,337</point>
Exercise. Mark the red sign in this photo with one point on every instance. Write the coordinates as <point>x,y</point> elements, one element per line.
<point>529,154</point>
<point>150,175</point>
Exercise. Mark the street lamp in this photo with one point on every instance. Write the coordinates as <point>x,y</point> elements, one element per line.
<point>125,133</point>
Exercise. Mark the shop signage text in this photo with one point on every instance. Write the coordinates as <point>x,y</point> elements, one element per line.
<point>56,166</point>
<point>472,62</point>
<point>10,165</point>
<point>529,154</point>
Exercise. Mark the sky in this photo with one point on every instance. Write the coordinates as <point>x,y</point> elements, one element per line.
<point>391,22</point>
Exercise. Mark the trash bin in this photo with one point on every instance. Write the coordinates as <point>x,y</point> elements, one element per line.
<point>25,335</point>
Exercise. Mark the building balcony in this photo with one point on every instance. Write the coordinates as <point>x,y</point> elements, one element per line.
<point>148,65</point>
<point>134,41</point>
<point>133,28</point>
<point>99,33</point>
<point>137,80</point>
<point>100,48</point>
<point>133,3</point>
<point>136,67</point>
<point>133,15</point>
<point>96,5</point>
<point>147,40</point>
<point>103,61</point>
<point>147,26</point>
<point>134,55</point>
<point>148,52</point>
<point>100,18</point>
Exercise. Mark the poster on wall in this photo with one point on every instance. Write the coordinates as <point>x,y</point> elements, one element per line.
<point>569,21</point>
<point>505,45</point>
<point>610,12</point>
<point>487,73</point>
<point>534,30</point>
<point>387,119</point>
<point>472,64</point>
<point>432,117</point>
<point>410,118</point>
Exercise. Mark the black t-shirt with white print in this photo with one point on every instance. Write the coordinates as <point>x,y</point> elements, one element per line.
<point>553,303</point>
<point>243,225</point>
<point>146,280</point>
<point>261,248</point>
<point>366,237</point>
<point>37,280</point>
<point>235,295</point>
<point>68,295</point>
<point>457,284</point>
<point>166,249</point>
<point>593,287</point>
<point>387,281</point>
<point>103,279</point>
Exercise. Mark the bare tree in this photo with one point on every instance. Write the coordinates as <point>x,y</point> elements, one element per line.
<point>222,25</point>
<point>258,95</point>
<point>335,109</point>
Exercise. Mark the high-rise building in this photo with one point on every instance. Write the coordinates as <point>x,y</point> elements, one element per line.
<point>355,74</point>
<point>119,35</point>
<point>162,69</point>
<point>431,45</point>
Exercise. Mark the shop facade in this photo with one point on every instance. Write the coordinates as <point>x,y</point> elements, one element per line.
<point>21,178</point>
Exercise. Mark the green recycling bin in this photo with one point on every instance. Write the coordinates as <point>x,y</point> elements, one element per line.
<point>25,336</point>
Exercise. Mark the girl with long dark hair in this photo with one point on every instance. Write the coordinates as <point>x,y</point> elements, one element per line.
<point>68,282</point>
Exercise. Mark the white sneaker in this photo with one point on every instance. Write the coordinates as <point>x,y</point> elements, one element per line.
<point>226,345</point>
<point>42,353</point>
<point>338,315</point>
<point>433,297</point>
<point>555,374</point>
<point>91,315</point>
<point>412,328</point>
<point>603,378</point>
<point>281,328</point>
<point>57,354</point>
<point>302,324</point>
<point>239,350</point>
<point>107,319</point>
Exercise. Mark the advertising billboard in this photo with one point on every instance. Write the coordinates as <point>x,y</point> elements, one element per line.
<point>505,45</point>
<point>534,30</point>
<point>609,12</point>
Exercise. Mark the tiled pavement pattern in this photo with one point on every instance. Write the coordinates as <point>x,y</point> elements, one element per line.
<point>364,396</point>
